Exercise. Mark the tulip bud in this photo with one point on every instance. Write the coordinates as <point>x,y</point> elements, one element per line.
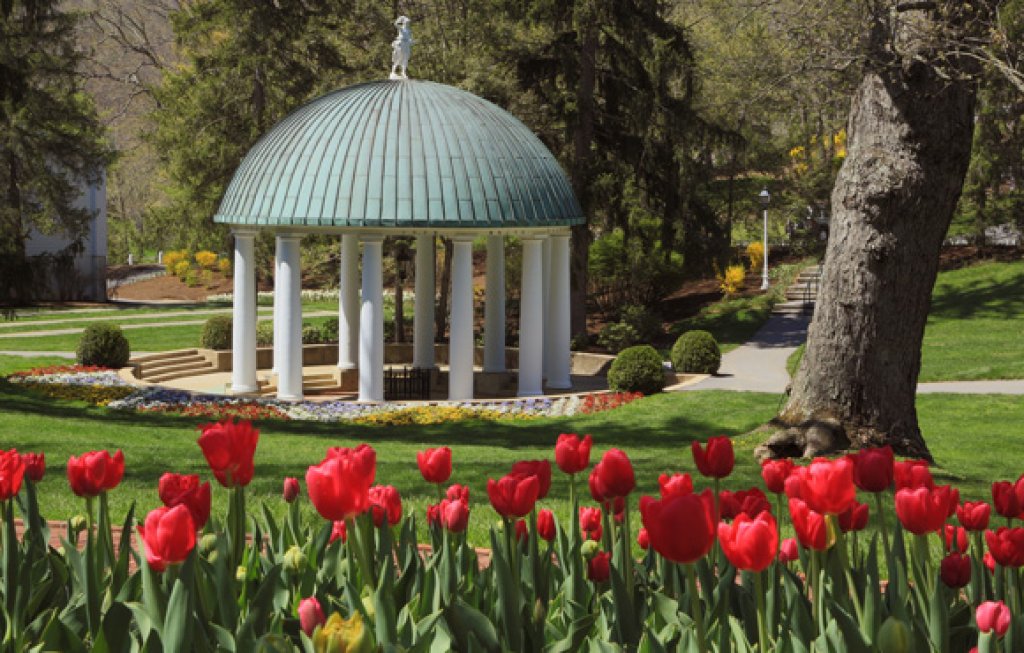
<point>208,544</point>
<point>241,573</point>
<point>294,560</point>
<point>894,637</point>
<point>311,615</point>
<point>540,613</point>
<point>370,607</point>
<point>339,635</point>
<point>77,523</point>
<point>291,489</point>
<point>589,549</point>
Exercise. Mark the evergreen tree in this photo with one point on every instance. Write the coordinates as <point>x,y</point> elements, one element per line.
<point>50,139</point>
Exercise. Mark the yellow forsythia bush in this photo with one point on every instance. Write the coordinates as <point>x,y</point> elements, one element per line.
<point>206,259</point>
<point>732,280</point>
<point>224,265</point>
<point>755,252</point>
<point>172,258</point>
<point>181,268</point>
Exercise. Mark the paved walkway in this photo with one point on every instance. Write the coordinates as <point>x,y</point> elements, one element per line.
<point>760,365</point>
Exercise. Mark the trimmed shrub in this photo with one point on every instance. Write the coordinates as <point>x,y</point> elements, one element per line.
<point>217,333</point>
<point>617,336</point>
<point>329,330</point>
<point>191,279</point>
<point>637,369</point>
<point>311,334</point>
<point>104,345</point>
<point>265,333</point>
<point>696,352</point>
<point>181,268</point>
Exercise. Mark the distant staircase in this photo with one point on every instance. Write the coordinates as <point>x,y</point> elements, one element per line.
<point>312,384</point>
<point>170,365</point>
<point>802,295</point>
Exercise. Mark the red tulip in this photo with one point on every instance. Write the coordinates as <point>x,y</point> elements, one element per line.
<point>12,471</point>
<point>750,502</point>
<point>291,489</point>
<point>385,503</point>
<point>954,534</point>
<point>911,474</point>
<point>774,473</point>
<point>539,468</point>
<point>434,514</point>
<point>338,531</point>
<point>310,615</point>
<point>974,515</point>
<point>614,475</point>
<point>435,464</point>
<point>809,525</point>
<point>169,535</point>
<point>513,495</point>
<point>590,523</point>
<point>750,544</point>
<point>599,567</point>
<point>1006,546</point>
<point>522,532</point>
<point>186,490</point>
<point>681,527</point>
<point>855,518</point>
<point>229,448</point>
<point>643,539</point>
<point>457,492</point>
<point>572,455</point>
<point>826,485</point>
<point>993,616</point>
<point>873,469</point>
<point>35,466</point>
<point>95,472</point>
<point>675,484</point>
<point>923,510</point>
<point>339,487</point>
<point>546,524</point>
<point>989,562</point>
<point>789,550</point>
<point>453,515</point>
<point>1008,498</point>
<point>955,570</point>
<point>717,460</point>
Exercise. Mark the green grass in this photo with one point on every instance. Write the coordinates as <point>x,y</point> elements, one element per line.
<point>734,321</point>
<point>10,364</point>
<point>793,362</point>
<point>655,431</point>
<point>976,326</point>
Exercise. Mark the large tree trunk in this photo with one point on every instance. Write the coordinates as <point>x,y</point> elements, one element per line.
<point>910,134</point>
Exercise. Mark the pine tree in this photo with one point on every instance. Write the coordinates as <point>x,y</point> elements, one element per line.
<point>50,139</point>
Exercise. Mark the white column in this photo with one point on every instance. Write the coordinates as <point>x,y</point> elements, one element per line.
<point>371,322</point>
<point>531,316</point>
<point>276,315</point>
<point>289,370</point>
<point>460,343</point>
<point>494,305</point>
<point>348,303</point>
<point>546,285</point>
<point>243,319</point>
<point>558,315</point>
<point>423,316</point>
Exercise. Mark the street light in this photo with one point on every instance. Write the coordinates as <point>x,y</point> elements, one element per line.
<point>765,198</point>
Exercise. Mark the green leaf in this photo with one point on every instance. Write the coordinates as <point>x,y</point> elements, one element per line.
<point>464,620</point>
<point>176,633</point>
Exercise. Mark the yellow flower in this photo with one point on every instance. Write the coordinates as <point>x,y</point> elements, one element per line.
<point>339,635</point>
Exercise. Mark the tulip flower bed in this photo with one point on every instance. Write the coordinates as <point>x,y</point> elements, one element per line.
<point>101,387</point>
<point>715,574</point>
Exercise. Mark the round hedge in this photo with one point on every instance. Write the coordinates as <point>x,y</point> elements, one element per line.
<point>637,369</point>
<point>696,352</point>
<point>217,333</point>
<point>104,345</point>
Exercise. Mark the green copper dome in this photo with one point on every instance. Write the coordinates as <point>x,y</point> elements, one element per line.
<point>400,154</point>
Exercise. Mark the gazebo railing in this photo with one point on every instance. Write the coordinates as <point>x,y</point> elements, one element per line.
<point>406,383</point>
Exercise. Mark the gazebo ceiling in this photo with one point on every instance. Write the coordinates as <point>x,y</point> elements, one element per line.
<point>407,154</point>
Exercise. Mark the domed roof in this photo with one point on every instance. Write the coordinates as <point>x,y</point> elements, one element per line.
<point>400,154</point>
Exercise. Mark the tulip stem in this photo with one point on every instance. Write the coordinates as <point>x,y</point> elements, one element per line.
<point>627,550</point>
<point>573,510</point>
<point>762,624</point>
<point>695,606</point>
<point>885,529</point>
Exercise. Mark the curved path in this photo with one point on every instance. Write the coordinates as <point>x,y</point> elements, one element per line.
<point>760,365</point>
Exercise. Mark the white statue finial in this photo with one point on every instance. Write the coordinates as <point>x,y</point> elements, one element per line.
<point>401,48</point>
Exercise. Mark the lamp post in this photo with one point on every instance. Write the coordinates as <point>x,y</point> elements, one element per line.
<point>765,198</point>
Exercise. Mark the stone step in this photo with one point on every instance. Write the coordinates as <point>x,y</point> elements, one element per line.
<point>801,294</point>
<point>164,355</point>
<point>169,365</point>
<point>170,376</point>
<point>794,308</point>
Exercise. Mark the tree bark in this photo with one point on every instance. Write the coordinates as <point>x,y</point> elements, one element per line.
<point>910,132</point>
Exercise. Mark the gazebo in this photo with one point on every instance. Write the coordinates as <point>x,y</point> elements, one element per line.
<point>405,158</point>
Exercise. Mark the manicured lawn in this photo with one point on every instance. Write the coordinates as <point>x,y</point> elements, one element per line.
<point>976,326</point>
<point>10,364</point>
